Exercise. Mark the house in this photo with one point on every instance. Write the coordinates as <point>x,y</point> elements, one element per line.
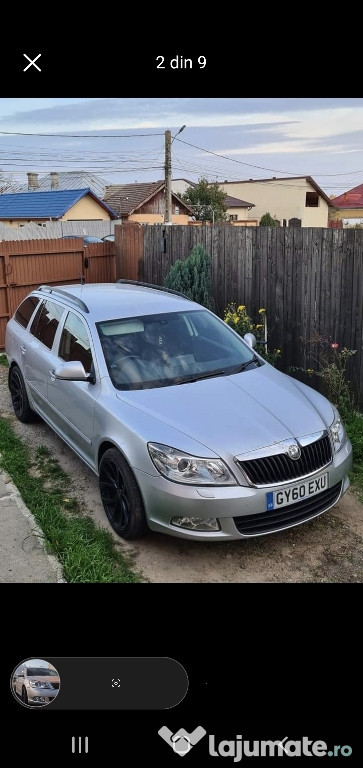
<point>179,186</point>
<point>237,210</point>
<point>64,180</point>
<point>145,203</point>
<point>349,205</point>
<point>291,201</point>
<point>65,205</point>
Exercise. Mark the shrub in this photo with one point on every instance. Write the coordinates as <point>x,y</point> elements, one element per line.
<point>330,363</point>
<point>193,277</point>
<point>238,319</point>
<point>267,221</point>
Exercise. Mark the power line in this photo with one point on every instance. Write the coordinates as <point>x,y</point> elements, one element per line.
<point>260,167</point>
<point>81,135</point>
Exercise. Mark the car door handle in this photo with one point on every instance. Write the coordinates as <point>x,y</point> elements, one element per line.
<point>23,350</point>
<point>52,375</point>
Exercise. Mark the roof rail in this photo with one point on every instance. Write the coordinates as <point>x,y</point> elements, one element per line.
<point>70,296</point>
<point>156,287</point>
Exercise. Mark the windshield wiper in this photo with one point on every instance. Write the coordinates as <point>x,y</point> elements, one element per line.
<point>243,366</point>
<point>211,374</point>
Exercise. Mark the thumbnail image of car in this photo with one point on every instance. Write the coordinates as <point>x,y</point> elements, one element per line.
<point>35,683</point>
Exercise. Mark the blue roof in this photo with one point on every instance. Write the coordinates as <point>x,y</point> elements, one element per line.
<point>45,205</point>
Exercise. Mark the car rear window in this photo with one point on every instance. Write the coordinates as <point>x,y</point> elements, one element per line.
<point>25,311</point>
<point>46,321</point>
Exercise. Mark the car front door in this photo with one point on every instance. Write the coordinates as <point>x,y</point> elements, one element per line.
<point>19,682</point>
<point>73,402</point>
<point>38,355</point>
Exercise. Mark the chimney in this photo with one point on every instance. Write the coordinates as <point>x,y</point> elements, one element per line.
<point>32,181</point>
<point>54,180</point>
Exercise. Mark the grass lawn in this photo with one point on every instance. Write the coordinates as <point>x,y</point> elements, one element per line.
<point>87,553</point>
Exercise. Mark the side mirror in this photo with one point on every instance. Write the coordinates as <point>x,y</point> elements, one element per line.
<point>71,371</point>
<point>250,339</point>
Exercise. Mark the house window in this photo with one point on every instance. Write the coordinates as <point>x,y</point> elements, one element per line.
<point>176,210</point>
<point>233,217</point>
<point>312,200</point>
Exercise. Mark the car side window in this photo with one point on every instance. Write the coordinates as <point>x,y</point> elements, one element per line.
<point>26,309</point>
<point>46,321</point>
<point>74,342</point>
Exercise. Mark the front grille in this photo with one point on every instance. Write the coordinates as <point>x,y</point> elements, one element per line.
<point>267,522</point>
<point>272,470</point>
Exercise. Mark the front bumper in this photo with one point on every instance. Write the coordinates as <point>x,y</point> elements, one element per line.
<point>45,693</point>
<point>164,500</point>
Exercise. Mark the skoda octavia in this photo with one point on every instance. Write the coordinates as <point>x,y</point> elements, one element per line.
<point>190,432</point>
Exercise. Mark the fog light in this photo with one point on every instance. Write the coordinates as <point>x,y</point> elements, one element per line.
<point>38,698</point>
<point>197,523</point>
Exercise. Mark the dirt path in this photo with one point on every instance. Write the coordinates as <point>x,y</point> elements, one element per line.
<point>329,549</point>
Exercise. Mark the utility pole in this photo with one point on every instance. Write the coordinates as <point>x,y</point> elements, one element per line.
<point>168,209</point>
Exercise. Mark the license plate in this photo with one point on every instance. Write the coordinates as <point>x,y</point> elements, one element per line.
<point>295,493</point>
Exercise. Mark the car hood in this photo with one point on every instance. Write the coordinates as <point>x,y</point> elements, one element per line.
<point>239,413</point>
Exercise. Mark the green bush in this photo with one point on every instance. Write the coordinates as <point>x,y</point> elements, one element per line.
<point>238,319</point>
<point>193,277</point>
<point>330,363</point>
<point>267,220</point>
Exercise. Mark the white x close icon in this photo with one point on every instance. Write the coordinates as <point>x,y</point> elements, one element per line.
<point>32,62</point>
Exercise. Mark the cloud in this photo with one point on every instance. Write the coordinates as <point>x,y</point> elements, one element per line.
<point>287,147</point>
<point>276,115</point>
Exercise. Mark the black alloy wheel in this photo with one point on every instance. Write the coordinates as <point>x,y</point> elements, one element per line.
<point>121,497</point>
<point>19,396</point>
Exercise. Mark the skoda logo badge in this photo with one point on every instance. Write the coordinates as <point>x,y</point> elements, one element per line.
<point>294,452</point>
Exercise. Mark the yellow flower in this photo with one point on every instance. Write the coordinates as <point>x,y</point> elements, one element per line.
<point>235,319</point>
<point>278,351</point>
<point>309,370</point>
<point>241,308</point>
<point>251,327</point>
<point>261,310</point>
<point>259,326</point>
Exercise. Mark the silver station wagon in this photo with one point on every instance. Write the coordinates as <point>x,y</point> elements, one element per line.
<point>190,432</point>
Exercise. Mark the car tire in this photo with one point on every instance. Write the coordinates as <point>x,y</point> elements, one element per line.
<point>24,696</point>
<point>121,497</point>
<point>19,396</point>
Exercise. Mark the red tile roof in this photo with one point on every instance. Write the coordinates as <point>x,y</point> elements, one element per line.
<point>127,198</point>
<point>351,199</point>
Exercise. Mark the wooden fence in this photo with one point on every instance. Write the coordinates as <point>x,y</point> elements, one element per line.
<point>26,264</point>
<point>309,280</point>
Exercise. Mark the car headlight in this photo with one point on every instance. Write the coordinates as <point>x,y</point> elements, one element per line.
<point>39,684</point>
<point>337,432</point>
<point>184,468</point>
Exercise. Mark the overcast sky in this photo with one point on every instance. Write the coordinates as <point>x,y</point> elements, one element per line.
<point>34,663</point>
<point>262,137</point>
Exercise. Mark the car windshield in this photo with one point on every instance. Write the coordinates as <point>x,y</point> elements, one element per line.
<point>41,672</point>
<point>174,348</point>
